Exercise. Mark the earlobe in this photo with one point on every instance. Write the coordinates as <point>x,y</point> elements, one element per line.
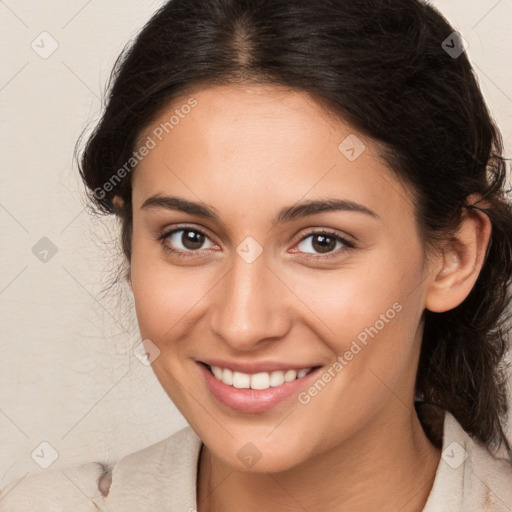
<point>128,277</point>
<point>459,263</point>
<point>118,204</point>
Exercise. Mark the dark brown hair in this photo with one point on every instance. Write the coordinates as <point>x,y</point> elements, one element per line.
<point>398,74</point>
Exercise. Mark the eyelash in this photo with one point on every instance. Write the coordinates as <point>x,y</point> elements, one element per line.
<point>187,254</point>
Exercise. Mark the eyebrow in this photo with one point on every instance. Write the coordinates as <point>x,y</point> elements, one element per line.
<point>286,214</point>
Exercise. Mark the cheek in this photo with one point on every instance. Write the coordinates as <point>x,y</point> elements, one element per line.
<point>165,299</point>
<point>346,303</point>
<point>368,315</point>
<point>372,341</point>
<point>164,294</point>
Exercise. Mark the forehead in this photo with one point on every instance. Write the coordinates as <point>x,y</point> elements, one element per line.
<point>243,120</point>
<point>260,143</point>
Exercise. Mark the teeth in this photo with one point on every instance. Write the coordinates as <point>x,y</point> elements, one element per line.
<point>241,380</point>
<point>290,375</point>
<point>217,372</point>
<point>276,378</point>
<point>262,380</point>
<point>227,376</point>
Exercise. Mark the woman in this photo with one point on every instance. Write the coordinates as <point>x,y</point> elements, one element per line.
<point>317,238</point>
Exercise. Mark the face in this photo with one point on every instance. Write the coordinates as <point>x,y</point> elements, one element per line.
<point>232,274</point>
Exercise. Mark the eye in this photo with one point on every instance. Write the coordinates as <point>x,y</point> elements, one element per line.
<point>184,240</point>
<point>324,242</point>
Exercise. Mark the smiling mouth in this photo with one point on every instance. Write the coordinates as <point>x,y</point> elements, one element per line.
<point>258,381</point>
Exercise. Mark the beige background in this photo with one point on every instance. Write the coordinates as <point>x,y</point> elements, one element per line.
<point>68,375</point>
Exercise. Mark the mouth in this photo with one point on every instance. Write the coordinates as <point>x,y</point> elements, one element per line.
<point>260,380</point>
<point>257,392</point>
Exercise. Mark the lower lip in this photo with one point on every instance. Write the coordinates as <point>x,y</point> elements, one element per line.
<point>253,400</point>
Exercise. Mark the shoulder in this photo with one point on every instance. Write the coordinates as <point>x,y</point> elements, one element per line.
<point>159,477</point>
<point>97,486</point>
<point>57,490</point>
<point>469,478</point>
<point>488,478</point>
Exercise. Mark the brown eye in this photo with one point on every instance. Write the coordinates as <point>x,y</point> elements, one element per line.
<point>185,240</point>
<point>192,239</point>
<point>323,242</point>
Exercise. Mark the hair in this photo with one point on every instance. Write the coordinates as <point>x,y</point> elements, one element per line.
<point>382,67</point>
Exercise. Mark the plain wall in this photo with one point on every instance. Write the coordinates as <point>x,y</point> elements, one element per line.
<point>68,375</point>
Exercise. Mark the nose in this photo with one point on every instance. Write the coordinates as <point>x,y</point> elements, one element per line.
<point>251,306</point>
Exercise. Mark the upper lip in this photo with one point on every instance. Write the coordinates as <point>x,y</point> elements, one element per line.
<point>256,366</point>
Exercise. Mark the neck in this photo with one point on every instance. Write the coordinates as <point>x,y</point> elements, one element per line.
<point>389,465</point>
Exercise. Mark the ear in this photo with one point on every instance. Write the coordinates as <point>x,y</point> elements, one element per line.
<point>459,262</point>
<point>128,277</point>
<point>118,203</point>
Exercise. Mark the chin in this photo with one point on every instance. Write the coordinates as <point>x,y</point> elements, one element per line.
<point>258,453</point>
<point>274,462</point>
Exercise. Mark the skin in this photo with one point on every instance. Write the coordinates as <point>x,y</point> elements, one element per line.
<point>248,151</point>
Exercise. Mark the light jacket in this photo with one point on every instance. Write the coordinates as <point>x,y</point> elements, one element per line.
<point>162,477</point>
